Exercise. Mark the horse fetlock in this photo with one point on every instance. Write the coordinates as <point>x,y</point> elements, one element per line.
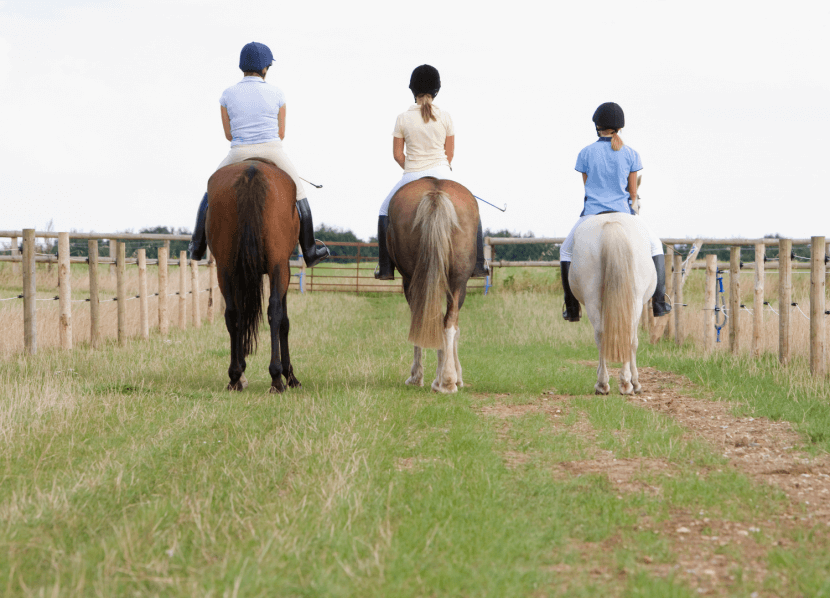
<point>415,381</point>
<point>292,381</point>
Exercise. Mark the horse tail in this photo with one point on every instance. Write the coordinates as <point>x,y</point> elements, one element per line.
<point>430,287</point>
<point>248,256</point>
<point>616,293</point>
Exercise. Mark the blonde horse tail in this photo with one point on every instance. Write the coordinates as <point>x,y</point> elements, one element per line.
<point>430,287</point>
<point>616,293</point>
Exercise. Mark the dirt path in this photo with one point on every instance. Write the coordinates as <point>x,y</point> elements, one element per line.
<point>708,549</point>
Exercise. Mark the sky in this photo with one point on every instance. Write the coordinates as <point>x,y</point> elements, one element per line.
<point>111,118</point>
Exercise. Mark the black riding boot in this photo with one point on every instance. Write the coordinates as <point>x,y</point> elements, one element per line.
<point>481,270</point>
<point>312,253</point>
<point>385,269</point>
<point>198,242</point>
<point>658,302</point>
<point>571,313</point>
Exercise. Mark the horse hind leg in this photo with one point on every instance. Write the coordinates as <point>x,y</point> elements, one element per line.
<point>446,376</point>
<point>635,374</point>
<point>626,387</point>
<point>236,370</point>
<point>601,387</point>
<point>455,357</point>
<point>275,319</point>
<point>287,368</point>
<point>416,377</point>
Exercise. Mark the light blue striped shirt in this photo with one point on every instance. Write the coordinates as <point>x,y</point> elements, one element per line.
<point>253,107</point>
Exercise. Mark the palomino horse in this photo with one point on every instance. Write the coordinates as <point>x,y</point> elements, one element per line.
<point>613,275</point>
<point>432,242</point>
<point>252,229</point>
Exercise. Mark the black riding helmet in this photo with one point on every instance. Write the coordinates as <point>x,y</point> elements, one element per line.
<point>425,79</point>
<point>609,116</point>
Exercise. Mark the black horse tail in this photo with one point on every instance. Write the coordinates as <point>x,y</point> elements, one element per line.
<point>249,258</point>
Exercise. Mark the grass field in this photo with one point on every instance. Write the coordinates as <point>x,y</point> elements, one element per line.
<point>130,471</point>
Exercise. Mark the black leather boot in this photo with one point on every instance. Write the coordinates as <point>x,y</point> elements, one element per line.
<point>571,313</point>
<point>385,269</point>
<point>658,301</point>
<point>481,270</point>
<point>312,253</point>
<point>198,242</point>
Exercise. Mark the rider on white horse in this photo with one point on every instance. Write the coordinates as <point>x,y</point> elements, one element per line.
<point>609,171</point>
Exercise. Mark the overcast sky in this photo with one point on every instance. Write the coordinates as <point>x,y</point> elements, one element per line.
<point>111,108</point>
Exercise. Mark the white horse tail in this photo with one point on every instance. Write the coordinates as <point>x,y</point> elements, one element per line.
<point>616,293</point>
<point>429,287</point>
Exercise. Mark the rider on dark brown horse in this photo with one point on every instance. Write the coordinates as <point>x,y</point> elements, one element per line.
<point>253,116</point>
<point>428,134</point>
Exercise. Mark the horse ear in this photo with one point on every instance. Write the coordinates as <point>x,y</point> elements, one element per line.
<point>639,180</point>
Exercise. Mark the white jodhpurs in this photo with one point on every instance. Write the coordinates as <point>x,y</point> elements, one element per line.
<point>271,151</point>
<point>566,251</point>
<point>439,172</point>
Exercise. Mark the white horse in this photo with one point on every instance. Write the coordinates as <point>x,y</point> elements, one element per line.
<point>613,276</point>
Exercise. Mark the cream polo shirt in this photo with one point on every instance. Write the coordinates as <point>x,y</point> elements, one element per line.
<point>424,141</point>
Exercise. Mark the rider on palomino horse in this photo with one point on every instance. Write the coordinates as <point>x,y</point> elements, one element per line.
<point>609,171</point>
<point>253,116</point>
<point>429,137</point>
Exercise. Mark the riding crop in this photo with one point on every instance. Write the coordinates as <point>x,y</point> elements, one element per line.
<point>488,203</point>
<point>310,183</point>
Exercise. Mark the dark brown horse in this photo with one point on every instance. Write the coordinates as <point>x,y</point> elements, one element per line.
<point>432,242</point>
<point>252,229</point>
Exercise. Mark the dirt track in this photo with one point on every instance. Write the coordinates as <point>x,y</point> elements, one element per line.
<point>766,451</point>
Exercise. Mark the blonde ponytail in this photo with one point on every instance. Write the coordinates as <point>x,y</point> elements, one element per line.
<point>426,107</point>
<point>616,142</point>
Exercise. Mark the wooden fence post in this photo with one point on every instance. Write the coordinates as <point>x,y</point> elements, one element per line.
<point>29,292</point>
<point>734,298</point>
<point>15,252</point>
<point>182,290</point>
<point>64,291</point>
<point>196,316</point>
<point>94,305</point>
<point>121,290</point>
<point>710,302</point>
<point>758,302</point>
<point>669,260</point>
<point>212,292</point>
<point>678,298</point>
<point>164,321</point>
<point>785,290</point>
<point>818,270</point>
<point>144,307</point>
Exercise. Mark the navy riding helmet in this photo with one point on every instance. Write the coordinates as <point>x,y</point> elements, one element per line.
<point>609,116</point>
<point>425,79</point>
<point>255,57</point>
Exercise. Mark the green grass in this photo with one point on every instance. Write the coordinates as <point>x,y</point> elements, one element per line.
<point>130,471</point>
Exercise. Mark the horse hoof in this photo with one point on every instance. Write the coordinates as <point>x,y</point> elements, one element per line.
<point>602,390</point>
<point>436,387</point>
<point>243,381</point>
<point>638,389</point>
<point>414,381</point>
<point>293,382</point>
<point>236,386</point>
<point>628,390</point>
<point>277,389</point>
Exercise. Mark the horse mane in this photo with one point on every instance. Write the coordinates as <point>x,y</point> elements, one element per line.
<point>429,288</point>
<point>251,188</point>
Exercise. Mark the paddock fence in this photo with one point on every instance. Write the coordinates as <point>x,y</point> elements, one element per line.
<point>349,269</point>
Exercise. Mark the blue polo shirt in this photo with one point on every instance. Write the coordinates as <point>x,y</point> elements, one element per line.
<point>607,170</point>
<point>253,107</point>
